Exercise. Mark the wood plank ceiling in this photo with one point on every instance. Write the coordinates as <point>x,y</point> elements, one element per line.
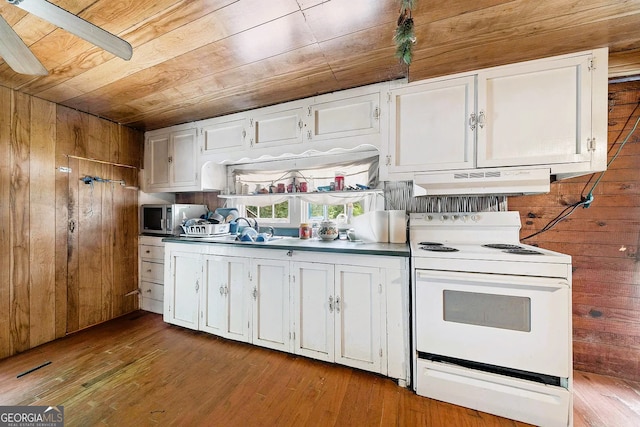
<point>199,59</point>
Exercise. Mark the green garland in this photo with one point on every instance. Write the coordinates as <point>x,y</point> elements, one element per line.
<point>404,36</point>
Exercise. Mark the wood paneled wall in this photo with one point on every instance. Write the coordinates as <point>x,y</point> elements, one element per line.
<point>603,240</point>
<point>36,203</point>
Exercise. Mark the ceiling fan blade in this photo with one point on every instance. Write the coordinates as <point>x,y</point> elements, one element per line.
<point>17,54</point>
<point>76,25</point>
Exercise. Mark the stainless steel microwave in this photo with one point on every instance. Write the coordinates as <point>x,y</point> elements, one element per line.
<point>167,219</point>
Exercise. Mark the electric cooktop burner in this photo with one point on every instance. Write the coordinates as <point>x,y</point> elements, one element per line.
<point>438,248</point>
<point>430,244</point>
<point>522,251</point>
<point>502,246</point>
<point>512,249</point>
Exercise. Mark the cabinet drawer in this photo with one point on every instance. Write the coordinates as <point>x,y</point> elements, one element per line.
<point>153,271</point>
<point>152,290</point>
<point>151,305</point>
<point>152,252</point>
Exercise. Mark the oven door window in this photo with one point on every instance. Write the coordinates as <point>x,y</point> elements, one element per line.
<point>490,310</point>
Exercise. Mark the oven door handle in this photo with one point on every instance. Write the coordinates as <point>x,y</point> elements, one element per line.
<point>548,284</point>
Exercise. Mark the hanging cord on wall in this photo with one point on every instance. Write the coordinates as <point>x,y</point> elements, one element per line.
<point>585,202</point>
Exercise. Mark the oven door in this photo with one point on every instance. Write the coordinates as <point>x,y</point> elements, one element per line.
<point>517,322</point>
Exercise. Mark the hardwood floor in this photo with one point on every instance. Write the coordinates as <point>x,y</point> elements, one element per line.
<point>137,370</point>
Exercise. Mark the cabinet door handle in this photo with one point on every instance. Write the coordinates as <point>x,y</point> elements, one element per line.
<point>244,134</point>
<point>473,120</point>
<point>147,251</point>
<point>376,113</point>
<point>481,119</point>
<point>148,291</point>
<point>255,293</point>
<point>221,290</point>
<point>197,285</point>
<point>330,304</point>
<point>226,290</point>
<point>170,159</point>
<point>337,304</point>
<point>300,124</point>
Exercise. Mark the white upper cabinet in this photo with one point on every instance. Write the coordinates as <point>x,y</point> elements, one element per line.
<point>429,126</point>
<point>278,125</point>
<point>334,116</point>
<point>536,113</point>
<point>156,161</point>
<point>224,133</point>
<point>170,161</point>
<point>183,159</point>
<point>547,113</point>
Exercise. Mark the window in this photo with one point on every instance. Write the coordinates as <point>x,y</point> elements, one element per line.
<point>319,212</point>
<point>359,169</point>
<point>276,213</point>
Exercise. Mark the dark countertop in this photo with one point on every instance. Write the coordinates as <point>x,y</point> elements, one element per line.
<point>312,245</point>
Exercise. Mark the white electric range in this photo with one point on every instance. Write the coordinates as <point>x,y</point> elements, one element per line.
<point>491,317</point>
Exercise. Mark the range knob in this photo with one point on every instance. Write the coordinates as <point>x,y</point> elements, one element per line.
<point>444,218</point>
<point>454,217</point>
<point>475,218</point>
<point>429,217</point>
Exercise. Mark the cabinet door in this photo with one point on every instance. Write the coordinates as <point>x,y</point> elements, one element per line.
<point>358,308</point>
<point>181,294</point>
<point>429,126</point>
<point>156,162</point>
<point>313,305</point>
<point>281,126</point>
<point>225,309</point>
<point>224,134</point>
<point>536,113</point>
<point>342,118</point>
<point>270,293</point>
<point>184,158</point>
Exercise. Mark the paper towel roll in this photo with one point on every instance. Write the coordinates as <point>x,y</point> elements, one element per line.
<point>372,226</point>
<point>397,227</point>
<point>380,226</point>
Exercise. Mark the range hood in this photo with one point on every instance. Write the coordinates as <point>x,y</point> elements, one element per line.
<point>475,182</point>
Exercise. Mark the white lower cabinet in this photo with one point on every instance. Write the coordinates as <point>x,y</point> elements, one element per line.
<point>358,314</point>
<point>270,295</point>
<point>224,302</point>
<point>151,273</point>
<point>182,288</point>
<point>338,312</point>
<point>314,307</point>
<point>301,302</point>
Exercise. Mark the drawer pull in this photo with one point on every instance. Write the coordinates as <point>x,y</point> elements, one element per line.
<point>147,251</point>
